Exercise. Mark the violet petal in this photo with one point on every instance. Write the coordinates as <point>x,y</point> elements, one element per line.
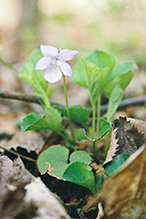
<point>66,69</point>
<point>67,54</point>
<point>43,63</point>
<point>52,73</point>
<point>49,51</point>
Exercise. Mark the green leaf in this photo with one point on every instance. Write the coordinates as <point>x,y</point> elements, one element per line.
<point>80,156</point>
<point>39,84</point>
<point>114,101</point>
<point>30,64</point>
<point>121,74</point>
<point>51,120</point>
<point>77,113</point>
<point>105,61</point>
<point>98,183</point>
<point>81,174</point>
<point>112,167</point>
<point>57,157</point>
<point>55,161</point>
<point>79,76</point>
<point>93,76</point>
<point>29,120</point>
<point>123,69</point>
<point>81,135</point>
<point>101,59</point>
<point>30,75</point>
<point>60,154</point>
<point>104,128</point>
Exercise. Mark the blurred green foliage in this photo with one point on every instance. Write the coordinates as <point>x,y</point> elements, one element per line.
<point>109,25</point>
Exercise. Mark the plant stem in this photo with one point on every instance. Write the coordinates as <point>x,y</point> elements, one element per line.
<point>94,147</point>
<point>98,113</point>
<point>46,100</point>
<point>67,106</point>
<point>66,135</point>
<point>93,120</point>
<point>98,123</point>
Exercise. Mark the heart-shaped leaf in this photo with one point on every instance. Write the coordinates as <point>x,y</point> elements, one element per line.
<point>81,135</point>
<point>122,75</point>
<point>104,128</point>
<point>34,77</point>
<point>81,174</point>
<point>80,156</point>
<point>55,159</point>
<point>77,113</point>
<point>101,59</point>
<point>105,61</point>
<point>34,121</point>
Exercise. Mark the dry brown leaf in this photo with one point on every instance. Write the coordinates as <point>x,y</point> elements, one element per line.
<point>30,140</point>
<point>124,194</point>
<point>127,136</point>
<point>46,202</point>
<point>12,173</point>
<point>21,194</point>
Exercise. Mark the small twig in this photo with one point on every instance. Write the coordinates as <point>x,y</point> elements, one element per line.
<point>23,97</point>
<point>133,101</point>
<point>18,96</point>
<point>13,152</point>
<point>36,99</point>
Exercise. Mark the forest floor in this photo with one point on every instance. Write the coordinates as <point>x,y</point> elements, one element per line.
<point>30,144</point>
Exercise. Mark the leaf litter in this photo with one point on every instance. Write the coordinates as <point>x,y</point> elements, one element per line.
<point>123,195</point>
<point>132,193</point>
<point>125,199</point>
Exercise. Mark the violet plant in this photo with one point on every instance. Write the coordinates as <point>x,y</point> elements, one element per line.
<point>96,72</point>
<point>54,65</point>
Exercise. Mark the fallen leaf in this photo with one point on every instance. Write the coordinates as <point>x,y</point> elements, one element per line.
<point>124,194</point>
<point>127,136</point>
<point>30,140</point>
<point>25,196</point>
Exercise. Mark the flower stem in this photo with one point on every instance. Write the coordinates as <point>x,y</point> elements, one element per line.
<point>68,113</point>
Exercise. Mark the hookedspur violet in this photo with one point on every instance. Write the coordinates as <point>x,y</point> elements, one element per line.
<point>54,62</point>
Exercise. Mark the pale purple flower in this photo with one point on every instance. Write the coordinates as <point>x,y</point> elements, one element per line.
<point>54,62</point>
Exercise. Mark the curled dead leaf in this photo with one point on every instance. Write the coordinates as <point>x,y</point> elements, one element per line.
<point>127,136</point>
<point>124,194</point>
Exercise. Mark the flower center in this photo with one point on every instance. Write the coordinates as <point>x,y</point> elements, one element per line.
<point>55,62</point>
